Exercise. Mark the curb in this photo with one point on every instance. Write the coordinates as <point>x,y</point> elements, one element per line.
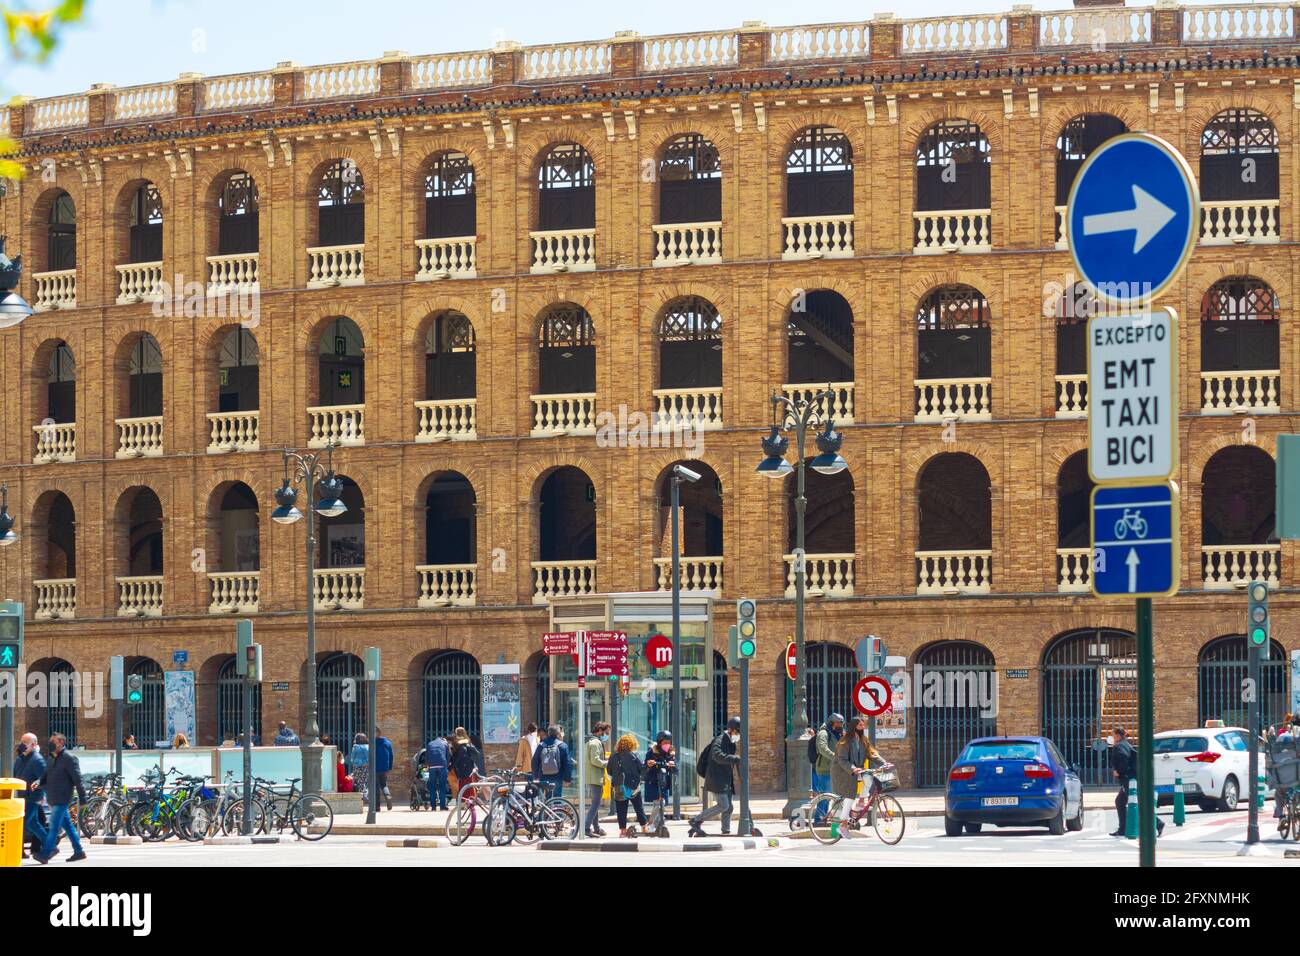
<point>665,846</point>
<point>240,840</point>
<point>421,842</point>
<point>117,840</point>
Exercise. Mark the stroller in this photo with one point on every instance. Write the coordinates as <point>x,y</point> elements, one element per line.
<point>420,798</point>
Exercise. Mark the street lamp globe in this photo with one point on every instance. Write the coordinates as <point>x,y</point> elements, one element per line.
<point>774,464</point>
<point>331,495</point>
<point>829,461</point>
<point>285,512</point>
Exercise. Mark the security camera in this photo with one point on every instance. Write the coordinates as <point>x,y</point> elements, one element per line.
<point>681,471</point>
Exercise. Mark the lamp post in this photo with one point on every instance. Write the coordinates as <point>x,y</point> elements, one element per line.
<point>7,537</point>
<point>801,413</point>
<point>675,718</point>
<point>13,307</point>
<point>306,470</point>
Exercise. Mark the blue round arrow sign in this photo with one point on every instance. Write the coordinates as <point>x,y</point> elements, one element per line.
<point>1134,214</point>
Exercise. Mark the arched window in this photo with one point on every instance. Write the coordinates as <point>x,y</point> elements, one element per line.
<point>1221,669</point>
<point>147,720</point>
<point>144,534</point>
<point>566,360</point>
<point>230,705</point>
<point>954,498</point>
<point>237,372</point>
<point>450,521</point>
<point>954,339</point>
<point>954,702</point>
<point>690,181</point>
<point>62,700</point>
<point>55,539</point>
<point>1239,326</point>
<point>1239,157</point>
<point>342,715</point>
<point>61,386</point>
<point>690,344</point>
<point>566,189</point>
<point>238,544</point>
<point>61,239</point>
<point>449,357</point>
<point>144,379</point>
<point>453,695</point>
<point>237,229</point>
<point>832,672</point>
<point>342,372</point>
<point>341,205</point>
<point>449,200</point>
<point>1238,497</point>
<point>567,516</point>
<point>828,519</point>
<point>953,167</point>
<point>1073,500</point>
<point>819,339</point>
<point>700,517</point>
<point>819,174</point>
<point>146,219</point>
<point>1078,139</point>
<point>343,537</point>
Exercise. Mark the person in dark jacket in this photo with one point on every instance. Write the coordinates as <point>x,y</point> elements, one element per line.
<point>719,778</point>
<point>437,759</point>
<point>551,763</point>
<point>29,767</point>
<point>464,758</point>
<point>61,777</point>
<point>383,764</point>
<point>625,771</point>
<point>660,767</point>
<point>1123,764</point>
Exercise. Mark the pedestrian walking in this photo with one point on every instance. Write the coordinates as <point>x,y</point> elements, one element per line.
<point>28,768</point>
<point>61,778</point>
<point>437,760</point>
<point>717,765</point>
<point>464,758</point>
<point>359,758</point>
<point>527,746</point>
<point>822,756</point>
<point>596,762</point>
<point>383,764</point>
<point>1123,764</point>
<point>551,764</point>
<point>626,771</point>
<point>285,737</point>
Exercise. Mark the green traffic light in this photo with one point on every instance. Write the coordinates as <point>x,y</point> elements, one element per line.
<point>1258,635</point>
<point>746,648</point>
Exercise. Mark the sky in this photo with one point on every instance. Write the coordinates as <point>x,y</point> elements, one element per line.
<point>130,42</point>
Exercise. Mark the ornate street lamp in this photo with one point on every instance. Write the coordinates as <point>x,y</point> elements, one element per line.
<point>13,307</point>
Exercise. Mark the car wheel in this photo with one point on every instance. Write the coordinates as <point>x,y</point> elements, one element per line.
<point>1056,825</point>
<point>951,827</point>
<point>974,827</point>
<point>1076,824</point>
<point>1231,794</point>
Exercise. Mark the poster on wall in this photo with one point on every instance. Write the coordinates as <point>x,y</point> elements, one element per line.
<point>892,724</point>
<point>500,703</point>
<point>178,693</point>
<point>1295,681</point>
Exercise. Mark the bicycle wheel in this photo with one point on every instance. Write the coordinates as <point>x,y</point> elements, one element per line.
<point>460,822</point>
<point>232,821</point>
<point>311,817</point>
<point>205,818</point>
<point>499,825</point>
<point>889,820</point>
<point>149,824</point>
<point>94,817</point>
<point>828,830</point>
<point>559,820</point>
<point>1293,810</point>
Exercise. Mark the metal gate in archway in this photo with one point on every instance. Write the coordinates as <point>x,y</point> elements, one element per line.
<point>62,702</point>
<point>1089,686</point>
<point>230,705</point>
<point>147,720</point>
<point>453,695</point>
<point>946,682</point>
<point>1220,669</point>
<point>832,672</point>
<point>342,700</point>
<point>720,714</point>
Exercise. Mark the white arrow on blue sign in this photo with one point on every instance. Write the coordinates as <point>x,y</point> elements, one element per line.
<point>1134,214</point>
<point>1135,540</point>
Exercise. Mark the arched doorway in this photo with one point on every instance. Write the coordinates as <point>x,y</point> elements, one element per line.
<point>230,705</point>
<point>342,700</point>
<point>147,720</point>
<point>832,672</point>
<point>1221,666</point>
<point>453,694</point>
<point>952,682</point>
<point>1089,687</point>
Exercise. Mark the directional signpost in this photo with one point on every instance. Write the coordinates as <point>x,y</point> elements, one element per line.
<point>1134,214</point>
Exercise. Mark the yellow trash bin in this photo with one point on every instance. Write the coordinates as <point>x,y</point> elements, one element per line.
<point>11,820</point>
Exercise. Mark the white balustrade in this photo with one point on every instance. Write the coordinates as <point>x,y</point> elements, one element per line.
<point>697,574</point>
<point>140,596</point>
<point>139,282</point>
<point>60,112</point>
<point>1257,21</point>
<point>1072,396</point>
<point>55,442</point>
<point>140,437</point>
<point>954,34</point>
<point>688,243</point>
<point>1073,570</point>
<point>441,419</point>
<point>959,399</point>
<point>446,258</point>
<point>337,425</point>
<point>562,60</point>
<point>681,408</point>
<point>138,102</point>
<point>954,572</point>
<point>234,92</point>
<point>817,237</point>
<point>1098,29</point>
<point>554,579</point>
<point>828,575</point>
<point>564,414</point>
<point>450,71</point>
<point>1225,393</point>
<point>56,599</point>
<point>1238,221</point>
<point>689,50</point>
<point>953,230</point>
<point>233,431</point>
<point>447,585</point>
<point>340,79</point>
<point>233,273</point>
<point>1062,228</point>
<point>233,592</point>
<point>54,290</point>
<point>839,405</point>
<point>826,41</point>
<point>564,250</point>
<point>340,589</point>
<point>1236,565</point>
<point>336,265</point>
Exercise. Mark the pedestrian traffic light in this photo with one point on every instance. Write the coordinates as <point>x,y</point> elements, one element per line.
<point>11,635</point>
<point>1257,626</point>
<point>253,663</point>
<point>746,630</point>
<point>134,689</point>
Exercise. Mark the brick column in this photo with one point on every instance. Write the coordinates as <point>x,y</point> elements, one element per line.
<point>287,80</point>
<point>752,44</point>
<point>886,38</point>
<point>625,54</point>
<point>505,63</point>
<point>98,104</point>
<point>189,94</point>
<point>1022,28</point>
<point>1166,24</point>
<point>392,73</point>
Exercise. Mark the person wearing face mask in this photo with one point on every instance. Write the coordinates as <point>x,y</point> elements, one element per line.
<point>824,758</point>
<point>718,767</point>
<point>660,767</point>
<point>28,767</point>
<point>594,754</point>
<point>61,777</point>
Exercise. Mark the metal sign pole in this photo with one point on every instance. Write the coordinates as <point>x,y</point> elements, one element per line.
<point>746,818</point>
<point>1146,731</point>
<point>1253,721</point>
<point>371,702</point>
<point>246,826</point>
<point>582,733</point>
<point>118,708</point>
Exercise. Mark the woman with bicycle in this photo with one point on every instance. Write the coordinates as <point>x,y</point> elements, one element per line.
<point>853,754</point>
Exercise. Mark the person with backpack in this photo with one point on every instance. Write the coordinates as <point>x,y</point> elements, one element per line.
<point>464,758</point>
<point>625,773</point>
<point>821,754</point>
<point>1123,764</point>
<point>437,760</point>
<point>717,765</point>
<point>551,764</point>
<point>594,755</point>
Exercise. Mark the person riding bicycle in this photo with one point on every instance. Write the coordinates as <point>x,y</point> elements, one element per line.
<point>853,755</point>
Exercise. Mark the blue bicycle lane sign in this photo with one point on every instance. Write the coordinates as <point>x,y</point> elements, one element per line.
<point>1135,548</point>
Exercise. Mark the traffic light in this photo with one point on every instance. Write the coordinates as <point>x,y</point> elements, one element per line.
<point>134,689</point>
<point>11,635</point>
<point>746,645</point>
<point>1257,627</point>
<point>253,663</point>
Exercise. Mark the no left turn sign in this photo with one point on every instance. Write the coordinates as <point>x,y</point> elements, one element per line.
<point>872,695</point>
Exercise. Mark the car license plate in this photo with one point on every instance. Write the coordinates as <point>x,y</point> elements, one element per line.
<point>999,801</point>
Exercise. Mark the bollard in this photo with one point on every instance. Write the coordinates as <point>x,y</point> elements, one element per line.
<point>1180,804</point>
<point>1131,815</point>
<point>1259,790</point>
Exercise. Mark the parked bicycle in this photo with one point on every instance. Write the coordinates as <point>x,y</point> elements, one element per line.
<point>470,806</point>
<point>309,815</point>
<point>523,810</point>
<point>881,811</point>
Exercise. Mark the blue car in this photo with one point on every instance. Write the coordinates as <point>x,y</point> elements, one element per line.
<point>1012,781</point>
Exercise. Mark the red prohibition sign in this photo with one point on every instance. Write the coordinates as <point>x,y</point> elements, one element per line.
<point>872,695</point>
